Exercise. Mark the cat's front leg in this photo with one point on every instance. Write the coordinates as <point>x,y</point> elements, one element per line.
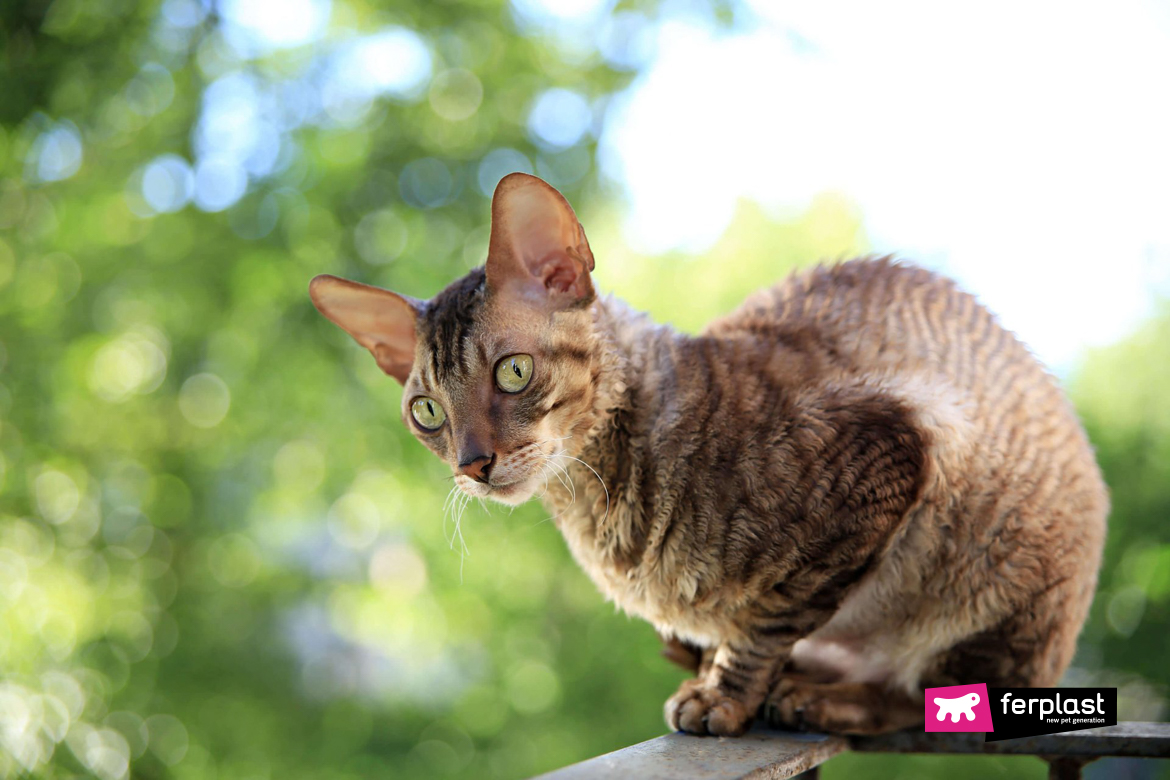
<point>724,698</point>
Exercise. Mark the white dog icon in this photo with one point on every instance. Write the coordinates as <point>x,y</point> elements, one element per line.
<point>953,707</point>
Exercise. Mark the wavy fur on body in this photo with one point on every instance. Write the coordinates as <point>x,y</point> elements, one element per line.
<point>855,486</point>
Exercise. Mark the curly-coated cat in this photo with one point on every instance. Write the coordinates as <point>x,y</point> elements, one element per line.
<point>855,486</point>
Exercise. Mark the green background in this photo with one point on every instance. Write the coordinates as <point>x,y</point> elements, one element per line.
<point>222,555</point>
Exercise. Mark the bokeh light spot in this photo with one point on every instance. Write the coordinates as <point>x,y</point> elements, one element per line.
<point>134,363</point>
<point>134,633</point>
<point>497,164</point>
<point>151,91</point>
<point>299,466</point>
<point>57,496</point>
<point>218,184</point>
<point>167,738</point>
<point>132,728</point>
<point>354,521</point>
<point>563,13</point>
<point>254,218</point>
<point>1126,608</point>
<point>426,183</point>
<point>275,23</point>
<point>103,751</point>
<point>204,400</point>
<point>380,237</point>
<point>559,119</point>
<point>456,94</point>
<point>184,13</point>
<point>398,569</point>
<point>168,183</point>
<point>56,154</point>
<point>627,40</point>
<point>394,62</point>
<point>234,560</point>
<point>533,687</point>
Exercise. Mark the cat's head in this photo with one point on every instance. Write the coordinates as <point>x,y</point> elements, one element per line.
<point>499,370</point>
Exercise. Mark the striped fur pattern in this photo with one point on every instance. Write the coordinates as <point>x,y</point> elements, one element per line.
<point>855,486</point>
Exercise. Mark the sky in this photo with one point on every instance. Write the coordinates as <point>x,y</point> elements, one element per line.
<point>1023,148</point>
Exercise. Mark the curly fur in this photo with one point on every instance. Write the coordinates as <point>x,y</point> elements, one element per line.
<point>855,486</point>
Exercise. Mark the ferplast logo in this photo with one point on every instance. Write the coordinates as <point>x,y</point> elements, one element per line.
<point>958,708</point>
<point>1089,708</point>
<point>1026,712</point>
<point>1008,713</point>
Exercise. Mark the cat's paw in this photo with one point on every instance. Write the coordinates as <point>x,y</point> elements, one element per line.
<point>806,706</point>
<point>700,709</point>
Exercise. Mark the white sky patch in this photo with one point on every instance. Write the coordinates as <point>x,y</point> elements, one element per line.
<point>1022,148</point>
<point>551,13</point>
<point>394,61</point>
<point>276,24</point>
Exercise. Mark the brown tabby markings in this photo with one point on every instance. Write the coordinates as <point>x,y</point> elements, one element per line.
<point>855,486</point>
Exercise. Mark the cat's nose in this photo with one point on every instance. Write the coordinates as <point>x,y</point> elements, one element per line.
<point>478,468</point>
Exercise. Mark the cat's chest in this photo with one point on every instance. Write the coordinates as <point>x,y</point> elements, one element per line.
<point>664,593</point>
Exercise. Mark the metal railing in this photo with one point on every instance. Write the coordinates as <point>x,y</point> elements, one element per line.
<point>763,754</point>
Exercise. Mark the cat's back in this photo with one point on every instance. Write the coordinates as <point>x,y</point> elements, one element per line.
<point>884,322</point>
<point>878,315</point>
<point>915,336</point>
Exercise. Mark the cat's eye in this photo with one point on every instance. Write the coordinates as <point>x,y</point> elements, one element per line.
<point>513,373</point>
<point>427,413</point>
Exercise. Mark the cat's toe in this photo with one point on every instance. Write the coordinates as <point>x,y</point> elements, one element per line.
<point>786,706</point>
<point>810,707</point>
<point>702,710</point>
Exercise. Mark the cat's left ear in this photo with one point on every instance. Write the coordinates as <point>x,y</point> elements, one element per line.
<point>538,249</point>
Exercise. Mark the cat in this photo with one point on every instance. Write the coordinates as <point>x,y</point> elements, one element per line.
<point>855,486</point>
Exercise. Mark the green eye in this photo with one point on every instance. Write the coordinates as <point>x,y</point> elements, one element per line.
<point>514,372</point>
<point>427,413</point>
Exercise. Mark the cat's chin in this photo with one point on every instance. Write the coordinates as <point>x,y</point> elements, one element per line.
<point>512,494</point>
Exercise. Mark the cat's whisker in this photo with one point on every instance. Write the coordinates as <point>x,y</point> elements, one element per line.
<point>557,469</point>
<point>599,479</point>
<point>459,526</point>
<point>544,473</point>
<point>539,445</point>
<point>448,505</point>
<point>464,551</point>
<point>453,508</point>
<point>456,511</point>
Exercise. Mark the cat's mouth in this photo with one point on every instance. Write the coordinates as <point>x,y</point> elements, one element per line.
<point>512,493</point>
<point>518,475</point>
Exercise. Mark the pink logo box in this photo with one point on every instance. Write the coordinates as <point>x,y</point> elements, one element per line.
<point>958,708</point>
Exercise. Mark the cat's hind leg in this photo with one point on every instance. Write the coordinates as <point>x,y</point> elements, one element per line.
<point>840,707</point>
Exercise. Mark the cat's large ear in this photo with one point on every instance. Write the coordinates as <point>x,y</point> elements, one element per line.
<point>379,320</point>
<point>538,249</point>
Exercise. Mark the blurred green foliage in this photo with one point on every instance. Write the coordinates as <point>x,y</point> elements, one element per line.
<point>221,554</point>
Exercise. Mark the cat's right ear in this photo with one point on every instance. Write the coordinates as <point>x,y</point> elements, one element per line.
<point>381,321</point>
